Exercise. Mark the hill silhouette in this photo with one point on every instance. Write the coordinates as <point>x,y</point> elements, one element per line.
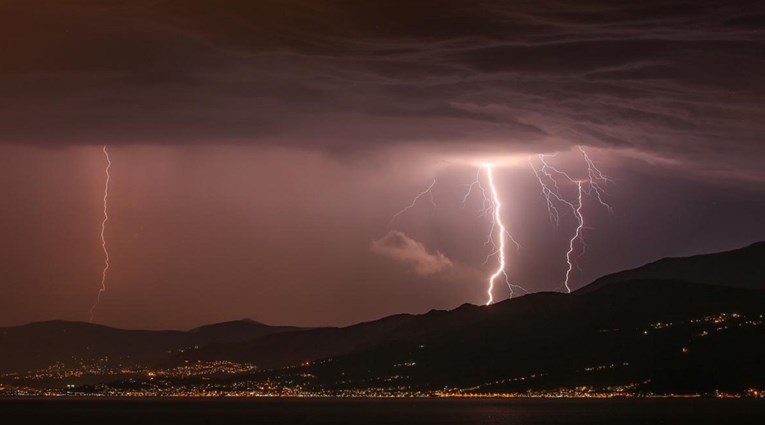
<point>635,329</point>
<point>739,268</point>
<point>649,332</point>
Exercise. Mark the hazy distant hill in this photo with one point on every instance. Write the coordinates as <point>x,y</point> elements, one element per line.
<point>740,268</point>
<point>280,350</point>
<point>41,344</point>
<point>234,331</point>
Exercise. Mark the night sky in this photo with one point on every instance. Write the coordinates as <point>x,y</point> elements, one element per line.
<point>261,148</point>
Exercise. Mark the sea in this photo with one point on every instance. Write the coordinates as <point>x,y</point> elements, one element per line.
<point>224,411</point>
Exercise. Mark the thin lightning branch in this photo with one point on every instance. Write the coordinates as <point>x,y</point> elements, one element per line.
<point>103,239</point>
<point>577,235</point>
<point>595,182</point>
<point>546,192</point>
<point>477,183</point>
<point>427,191</point>
<point>551,194</point>
<point>547,168</point>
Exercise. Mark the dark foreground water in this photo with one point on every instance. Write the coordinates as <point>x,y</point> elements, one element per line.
<point>405,412</point>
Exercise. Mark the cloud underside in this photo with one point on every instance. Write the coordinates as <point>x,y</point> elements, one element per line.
<point>400,247</point>
<point>668,78</point>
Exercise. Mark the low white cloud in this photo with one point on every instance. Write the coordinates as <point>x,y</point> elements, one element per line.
<point>400,247</point>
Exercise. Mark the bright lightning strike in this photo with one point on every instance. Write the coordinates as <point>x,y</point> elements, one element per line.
<point>487,208</point>
<point>428,191</point>
<point>498,222</point>
<point>502,234</point>
<point>103,239</point>
<point>498,234</point>
<point>553,183</point>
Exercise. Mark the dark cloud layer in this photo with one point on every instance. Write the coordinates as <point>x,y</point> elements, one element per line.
<point>666,77</point>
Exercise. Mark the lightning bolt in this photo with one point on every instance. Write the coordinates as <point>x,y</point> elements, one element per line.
<point>548,176</point>
<point>498,221</point>
<point>498,234</point>
<point>550,179</point>
<point>577,235</point>
<point>103,238</point>
<point>493,205</point>
<point>487,208</point>
<point>428,191</point>
<point>595,182</point>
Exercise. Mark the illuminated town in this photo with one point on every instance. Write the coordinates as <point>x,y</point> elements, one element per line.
<point>222,378</point>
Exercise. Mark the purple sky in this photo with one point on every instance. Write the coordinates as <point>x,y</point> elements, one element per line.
<point>260,149</point>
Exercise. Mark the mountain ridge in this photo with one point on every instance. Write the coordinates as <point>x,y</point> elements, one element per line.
<point>737,268</point>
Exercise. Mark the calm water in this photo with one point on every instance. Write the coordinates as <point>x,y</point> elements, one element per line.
<point>302,411</point>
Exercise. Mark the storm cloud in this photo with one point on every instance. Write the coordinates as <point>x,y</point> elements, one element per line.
<point>671,79</point>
